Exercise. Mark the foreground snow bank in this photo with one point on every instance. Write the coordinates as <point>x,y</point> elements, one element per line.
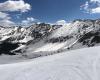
<point>80,64</point>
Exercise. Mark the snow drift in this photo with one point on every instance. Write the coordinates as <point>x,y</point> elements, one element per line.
<point>82,64</point>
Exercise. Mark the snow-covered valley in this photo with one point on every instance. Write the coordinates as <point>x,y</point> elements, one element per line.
<point>82,64</point>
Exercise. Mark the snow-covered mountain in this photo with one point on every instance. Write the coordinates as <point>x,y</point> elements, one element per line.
<point>26,43</point>
<point>12,38</point>
<point>44,39</point>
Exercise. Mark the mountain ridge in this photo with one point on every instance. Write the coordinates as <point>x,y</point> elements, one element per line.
<point>45,37</point>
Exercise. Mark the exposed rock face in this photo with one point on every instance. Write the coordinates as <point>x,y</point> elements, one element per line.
<point>18,39</point>
<point>12,37</point>
<point>77,34</point>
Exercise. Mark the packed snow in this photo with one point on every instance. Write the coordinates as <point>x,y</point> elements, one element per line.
<point>82,64</point>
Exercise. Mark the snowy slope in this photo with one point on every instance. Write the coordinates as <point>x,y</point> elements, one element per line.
<point>44,39</point>
<point>80,64</point>
<point>73,35</point>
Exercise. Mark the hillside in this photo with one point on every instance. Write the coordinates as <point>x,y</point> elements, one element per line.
<point>19,43</point>
<point>82,64</point>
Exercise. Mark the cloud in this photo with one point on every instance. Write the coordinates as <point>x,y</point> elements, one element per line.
<point>95,0</point>
<point>91,6</point>
<point>61,22</point>
<point>28,20</point>
<point>4,15</point>
<point>11,6</point>
<point>6,22</point>
<point>5,19</point>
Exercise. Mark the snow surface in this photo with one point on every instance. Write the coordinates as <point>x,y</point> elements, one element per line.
<point>50,47</point>
<point>8,59</point>
<point>82,64</point>
<point>62,31</point>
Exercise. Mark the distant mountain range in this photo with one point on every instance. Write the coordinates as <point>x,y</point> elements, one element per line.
<point>39,38</point>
